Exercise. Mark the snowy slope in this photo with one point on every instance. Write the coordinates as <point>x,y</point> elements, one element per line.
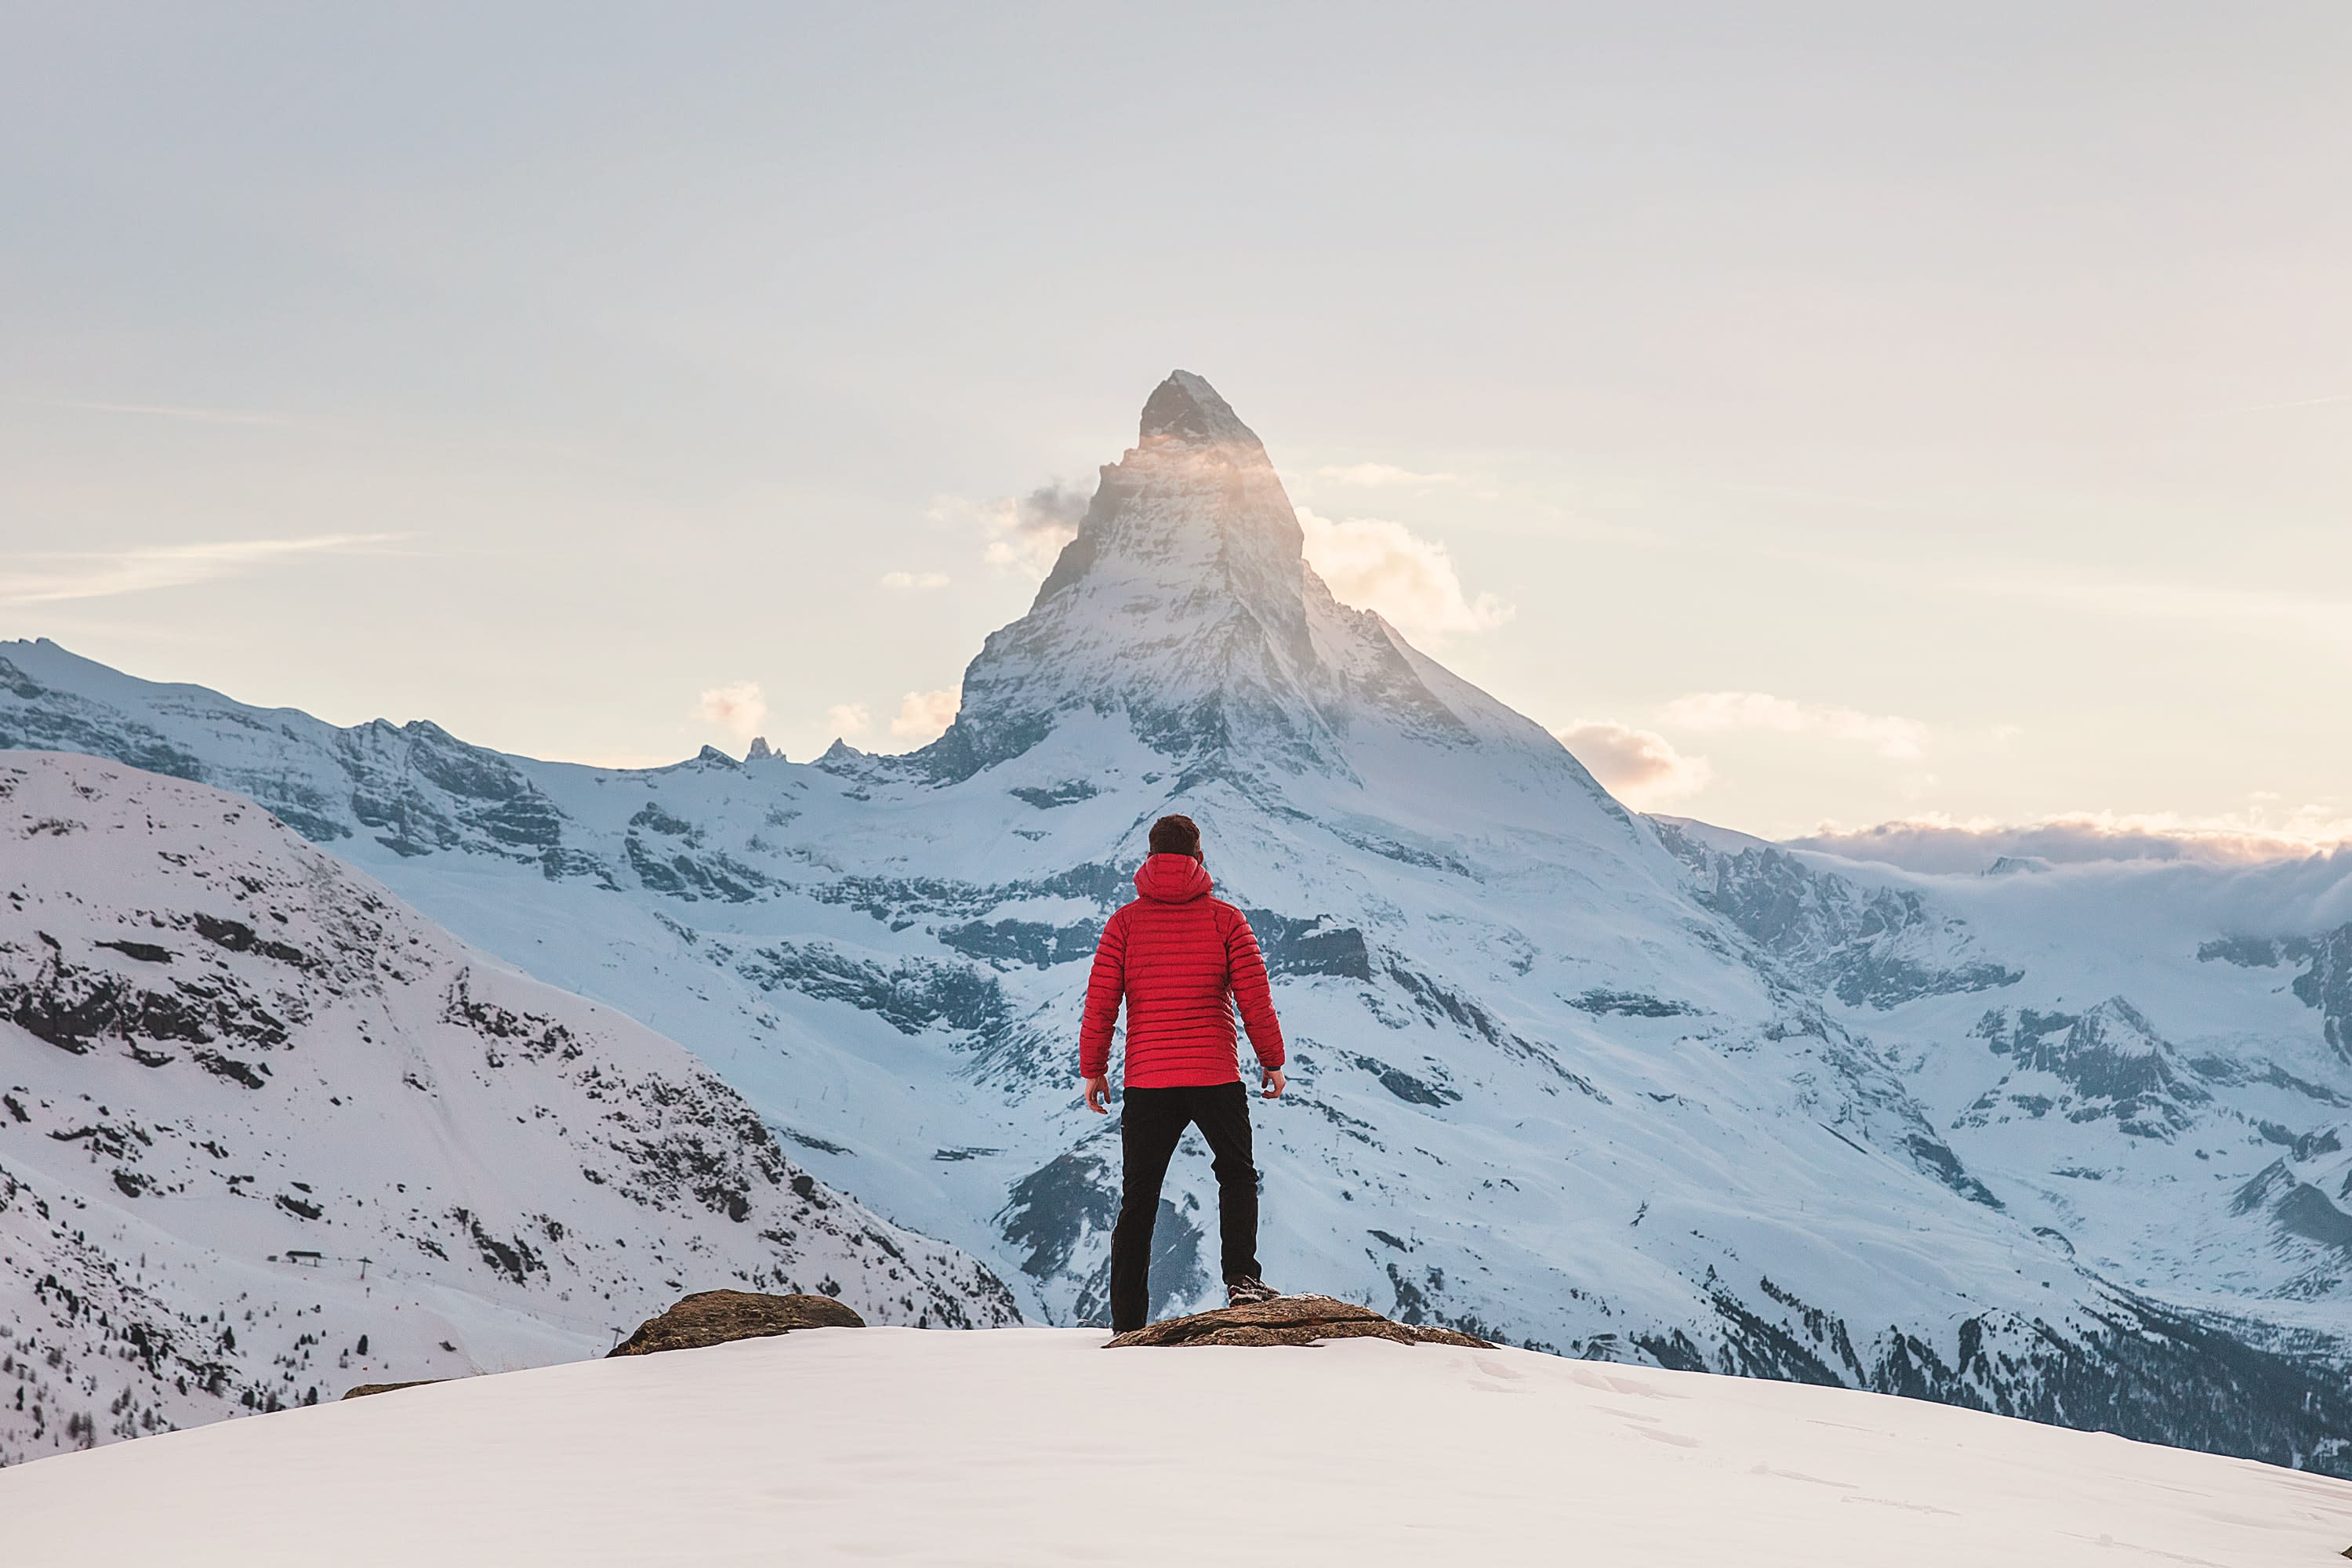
<point>2162,1079</point>
<point>1562,1075</point>
<point>266,1134</point>
<point>1034,1446</point>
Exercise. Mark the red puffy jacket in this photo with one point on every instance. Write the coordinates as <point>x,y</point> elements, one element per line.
<point>1185,963</point>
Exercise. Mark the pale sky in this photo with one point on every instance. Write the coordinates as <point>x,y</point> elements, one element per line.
<point>1822,413</point>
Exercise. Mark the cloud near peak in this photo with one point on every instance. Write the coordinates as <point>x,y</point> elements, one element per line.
<point>924,716</point>
<point>1021,533</point>
<point>738,709</point>
<point>1640,767</point>
<point>1410,581</point>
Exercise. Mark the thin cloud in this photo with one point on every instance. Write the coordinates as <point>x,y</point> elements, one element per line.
<point>1893,737</point>
<point>914,579</point>
<point>1023,533</point>
<point>56,576</point>
<point>1410,581</point>
<point>924,716</point>
<point>2250,610</point>
<point>1640,767</point>
<point>739,708</point>
<point>1937,843</point>
<point>1377,476</point>
<point>2275,408</point>
<point>848,718</point>
<point>177,411</point>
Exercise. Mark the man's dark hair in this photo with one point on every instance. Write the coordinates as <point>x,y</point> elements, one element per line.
<point>1175,836</point>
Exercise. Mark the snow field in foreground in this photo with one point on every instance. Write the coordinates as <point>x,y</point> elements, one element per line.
<point>1031,1446</point>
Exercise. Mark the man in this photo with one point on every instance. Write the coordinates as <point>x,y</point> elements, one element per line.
<point>1185,963</point>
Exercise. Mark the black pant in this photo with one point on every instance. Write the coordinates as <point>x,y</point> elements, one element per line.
<point>1150,1122</point>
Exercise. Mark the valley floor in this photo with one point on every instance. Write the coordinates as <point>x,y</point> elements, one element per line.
<point>1032,1445</point>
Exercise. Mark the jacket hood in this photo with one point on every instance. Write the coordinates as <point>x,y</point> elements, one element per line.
<point>1172,879</point>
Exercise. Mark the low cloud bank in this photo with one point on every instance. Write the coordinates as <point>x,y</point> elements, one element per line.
<point>1937,844</point>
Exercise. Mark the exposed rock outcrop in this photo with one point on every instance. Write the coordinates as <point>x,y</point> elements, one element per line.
<point>1290,1321</point>
<point>715,1317</point>
<point>361,1391</point>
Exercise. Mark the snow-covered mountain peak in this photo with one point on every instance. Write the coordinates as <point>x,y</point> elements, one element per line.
<point>1185,410</point>
<point>1185,607</point>
<point>1195,504</point>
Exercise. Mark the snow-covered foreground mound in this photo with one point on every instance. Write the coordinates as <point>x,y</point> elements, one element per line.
<point>1027,1445</point>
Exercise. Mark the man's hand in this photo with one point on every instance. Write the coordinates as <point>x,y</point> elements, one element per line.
<point>1274,1083</point>
<point>1097,1094</point>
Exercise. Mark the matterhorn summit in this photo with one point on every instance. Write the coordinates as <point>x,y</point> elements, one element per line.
<point>1185,606</point>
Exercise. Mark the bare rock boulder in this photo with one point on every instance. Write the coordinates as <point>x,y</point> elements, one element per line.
<point>1290,1321</point>
<point>365,1389</point>
<point>716,1316</point>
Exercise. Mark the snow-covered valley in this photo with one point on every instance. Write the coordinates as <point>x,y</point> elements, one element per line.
<point>2069,1145</point>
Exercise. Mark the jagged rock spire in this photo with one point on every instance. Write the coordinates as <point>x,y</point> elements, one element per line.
<point>1194,506</point>
<point>1186,410</point>
<point>1182,602</point>
<point>1185,607</point>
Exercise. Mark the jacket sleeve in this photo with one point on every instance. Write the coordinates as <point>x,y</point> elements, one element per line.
<point>1253,995</point>
<point>1104,988</point>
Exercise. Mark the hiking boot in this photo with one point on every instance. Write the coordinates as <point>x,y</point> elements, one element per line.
<point>1242,1293</point>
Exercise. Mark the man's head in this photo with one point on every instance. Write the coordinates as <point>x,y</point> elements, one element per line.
<point>1176,835</point>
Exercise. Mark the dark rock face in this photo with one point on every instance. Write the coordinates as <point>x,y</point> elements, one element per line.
<point>1290,1321</point>
<point>1055,1207</point>
<point>912,994</point>
<point>1318,945</point>
<point>2324,984</point>
<point>715,1317</point>
<point>2107,1063</point>
<point>2327,986</point>
<point>1023,941</point>
<point>2296,1208</point>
